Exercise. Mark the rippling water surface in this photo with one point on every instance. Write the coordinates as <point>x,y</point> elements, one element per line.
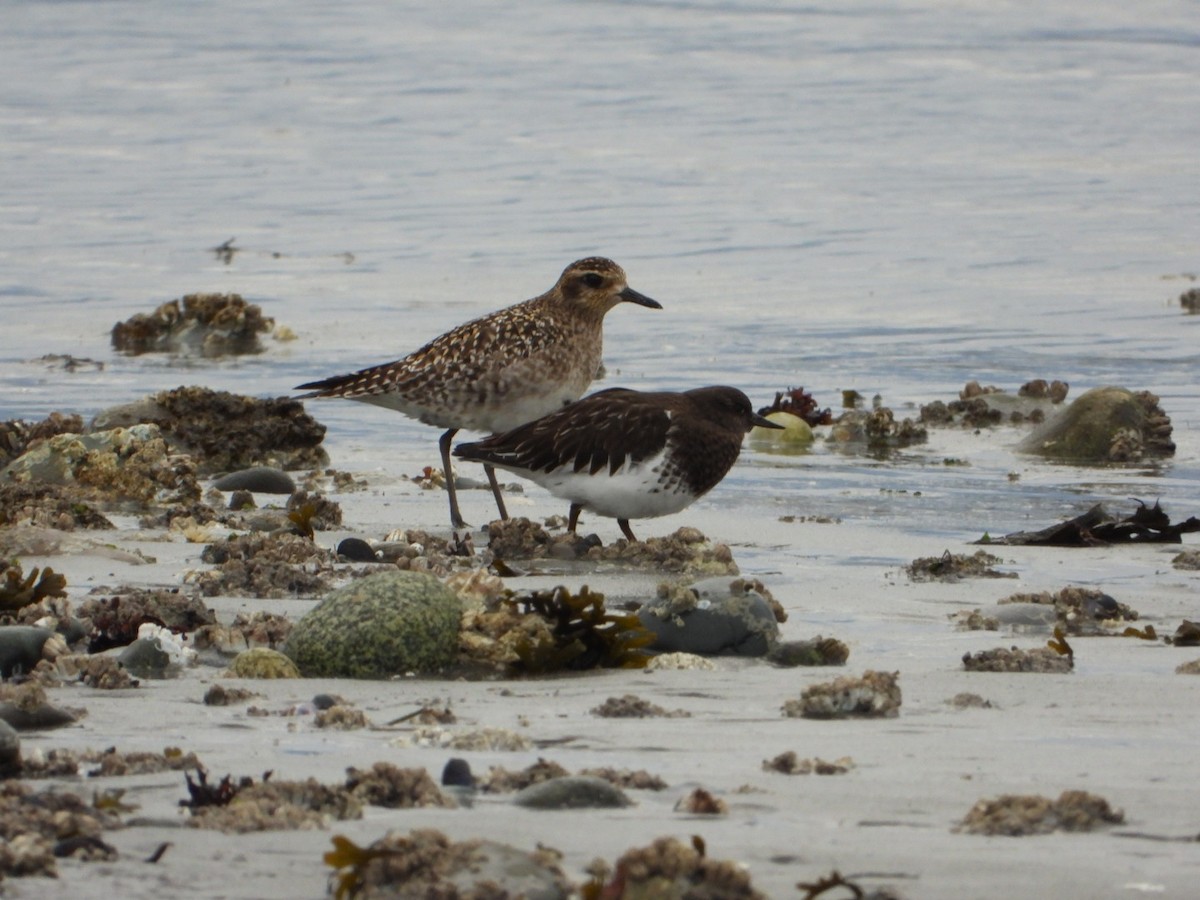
<point>894,198</point>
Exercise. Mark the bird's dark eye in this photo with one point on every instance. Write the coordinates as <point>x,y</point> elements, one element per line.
<point>592,280</point>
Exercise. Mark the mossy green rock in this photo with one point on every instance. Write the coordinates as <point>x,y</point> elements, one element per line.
<point>382,625</point>
<point>1105,424</point>
<point>262,662</point>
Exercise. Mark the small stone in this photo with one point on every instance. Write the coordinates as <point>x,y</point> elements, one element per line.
<point>572,792</point>
<point>354,549</point>
<point>145,658</point>
<point>257,479</point>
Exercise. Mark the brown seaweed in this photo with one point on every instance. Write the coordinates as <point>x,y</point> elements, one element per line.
<point>1097,527</point>
<point>583,634</point>
<point>18,590</point>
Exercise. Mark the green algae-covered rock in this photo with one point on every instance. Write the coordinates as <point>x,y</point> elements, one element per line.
<point>1105,424</point>
<point>262,662</point>
<point>378,626</point>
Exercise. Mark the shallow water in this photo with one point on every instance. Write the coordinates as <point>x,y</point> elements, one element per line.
<point>894,199</point>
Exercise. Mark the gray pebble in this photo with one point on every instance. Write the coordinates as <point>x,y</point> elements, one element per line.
<point>21,648</point>
<point>572,792</point>
<point>260,479</point>
<point>145,658</point>
<point>44,716</point>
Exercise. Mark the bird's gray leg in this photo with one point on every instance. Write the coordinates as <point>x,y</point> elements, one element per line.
<point>456,519</point>
<point>573,517</point>
<point>491,474</point>
<point>626,530</point>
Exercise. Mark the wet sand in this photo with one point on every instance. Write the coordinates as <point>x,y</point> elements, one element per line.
<point>1122,725</point>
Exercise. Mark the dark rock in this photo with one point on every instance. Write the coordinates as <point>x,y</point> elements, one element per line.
<point>21,648</point>
<point>457,772</point>
<point>34,718</point>
<point>259,479</point>
<point>10,751</point>
<point>356,550</point>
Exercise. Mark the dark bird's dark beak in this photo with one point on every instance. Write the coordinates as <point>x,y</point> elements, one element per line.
<point>763,421</point>
<point>633,296</point>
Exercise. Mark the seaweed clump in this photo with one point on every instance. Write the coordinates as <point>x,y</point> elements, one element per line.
<point>18,589</point>
<point>671,868</point>
<point>582,634</point>
<point>37,828</point>
<point>801,404</point>
<point>955,566</point>
<point>265,805</point>
<point>1015,815</point>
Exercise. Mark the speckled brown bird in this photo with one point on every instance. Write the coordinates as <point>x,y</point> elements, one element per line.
<point>502,370</point>
<point>627,454</point>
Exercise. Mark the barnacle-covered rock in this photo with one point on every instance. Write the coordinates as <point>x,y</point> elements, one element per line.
<point>980,406</point>
<point>669,868</point>
<point>48,506</point>
<point>878,429</point>
<point>207,325</point>
<point>712,616</point>
<point>874,695</point>
<point>685,551</point>
<point>119,465</point>
<point>115,616</point>
<point>1016,659</point>
<point>425,863</point>
<point>265,565</point>
<point>385,624</point>
<point>16,435</point>
<point>224,432</point>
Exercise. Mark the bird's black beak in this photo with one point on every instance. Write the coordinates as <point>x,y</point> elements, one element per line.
<point>763,422</point>
<point>632,296</point>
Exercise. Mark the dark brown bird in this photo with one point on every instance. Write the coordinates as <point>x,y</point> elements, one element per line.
<point>502,370</point>
<point>627,454</point>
